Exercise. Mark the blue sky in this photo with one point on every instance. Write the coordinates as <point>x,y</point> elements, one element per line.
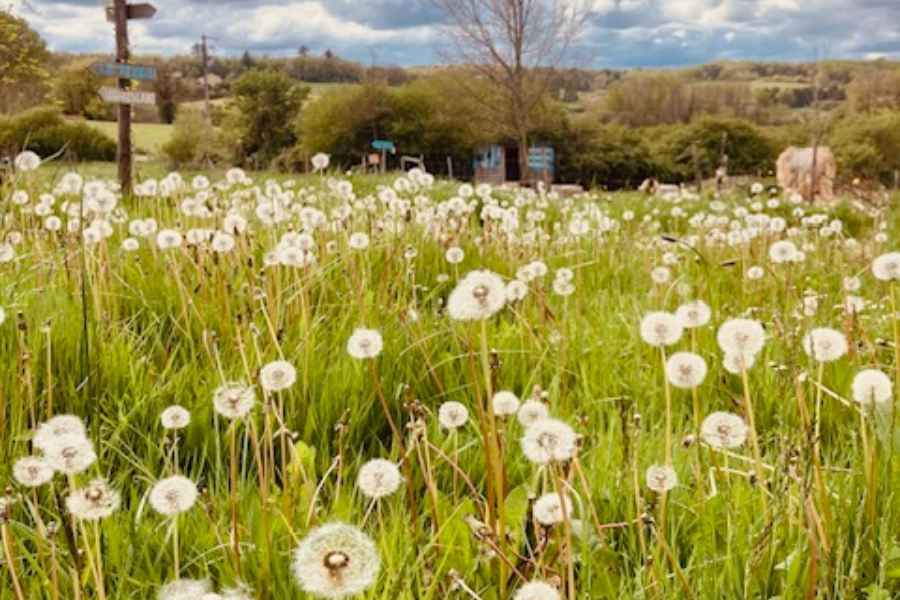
<point>620,33</point>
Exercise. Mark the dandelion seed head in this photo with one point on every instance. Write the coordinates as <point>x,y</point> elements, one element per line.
<point>378,478</point>
<point>734,362</point>
<point>455,255</point>
<point>336,561</point>
<point>536,590</point>
<point>552,508</point>
<point>175,417</point>
<point>184,589</point>
<point>69,454</point>
<point>365,343</point>
<point>234,400</point>
<point>505,403</point>
<point>95,501</point>
<point>277,376</point>
<point>661,329</point>
<point>32,471</point>
<point>723,430</point>
<point>685,370</point>
<point>532,411</point>
<point>56,427</point>
<point>549,440</point>
<point>478,296</point>
<point>173,495</point>
<point>661,478</point>
<point>27,161</point>
<point>661,275</point>
<point>887,266</point>
<point>516,290</point>
<point>453,415</point>
<point>693,314</point>
<point>740,336</point>
<point>872,386</point>
<point>824,344</point>
<point>358,240</point>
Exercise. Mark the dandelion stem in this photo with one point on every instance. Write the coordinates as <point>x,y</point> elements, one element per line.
<point>10,556</point>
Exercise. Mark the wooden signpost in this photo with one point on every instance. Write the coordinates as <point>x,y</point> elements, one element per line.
<point>119,13</point>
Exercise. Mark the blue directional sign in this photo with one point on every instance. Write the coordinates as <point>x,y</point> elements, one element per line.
<point>384,145</point>
<point>124,70</point>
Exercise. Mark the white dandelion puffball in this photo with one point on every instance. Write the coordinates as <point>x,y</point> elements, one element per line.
<point>516,290</point>
<point>661,479</point>
<point>693,314</point>
<point>175,417</point>
<point>537,590</point>
<point>505,403</point>
<point>872,386</point>
<point>755,272</point>
<point>173,495</point>
<point>184,589</point>
<point>277,376</point>
<point>336,561</point>
<point>478,296</point>
<point>737,363</point>
<point>455,255</point>
<point>32,471</point>
<point>532,411</point>
<point>661,329</point>
<point>70,454</point>
<point>94,501</point>
<point>365,343</point>
<point>887,266</point>
<point>661,275</point>
<point>378,478</point>
<point>234,400</point>
<point>685,370</point>
<point>549,440</point>
<point>167,239</point>
<point>552,508</point>
<point>358,240</point>
<point>453,415</point>
<point>58,426</point>
<point>320,161</point>
<point>723,430</point>
<point>824,344</point>
<point>782,251</point>
<point>741,337</point>
<point>27,161</point>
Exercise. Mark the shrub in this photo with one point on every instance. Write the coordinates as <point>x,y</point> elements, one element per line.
<point>44,131</point>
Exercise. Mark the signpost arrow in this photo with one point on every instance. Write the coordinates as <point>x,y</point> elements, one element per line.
<point>132,11</point>
<point>120,96</point>
<point>123,70</point>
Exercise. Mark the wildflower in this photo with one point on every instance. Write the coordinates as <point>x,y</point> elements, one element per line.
<point>222,242</point>
<point>184,589</point>
<point>478,296</point>
<point>277,376</point>
<point>235,175</point>
<point>871,385</point>
<point>378,478</point>
<point>562,287</point>
<point>755,272</point>
<point>661,275</point>
<point>685,370</point>
<point>782,251</point>
<point>537,590</point>
<point>693,314</point>
<point>661,479</point>
<point>173,495</point>
<point>723,430</point>
<point>852,284</point>
<point>320,161</point>
<point>365,343</point>
<point>887,266</point>
<point>69,454</point>
<point>336,561</point>
<point>516,290</point>
<point>455,255</point>
<point>32,471</point>
<point>552,508</point>
<point>532,411</point>
<point>824,344</point>
<point>58,426</point>
<point>94,501</point>
<point>175,417</point>
<point>453,415</point>
<point>130,244</point>
<point>167,239</point>
<point>549,440</point>
<point>358,240</point>
<point>661,329</point>
<point>735,363</point>
<point>27,161</point>
<point>234,400</point>
<point>505,403</point>
<point>742,337</point>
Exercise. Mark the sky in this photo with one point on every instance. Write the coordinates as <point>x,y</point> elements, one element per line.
<point>618,34</point>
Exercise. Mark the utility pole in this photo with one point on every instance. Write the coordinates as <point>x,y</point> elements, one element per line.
<point>202,50</point>
<point>123,154</point>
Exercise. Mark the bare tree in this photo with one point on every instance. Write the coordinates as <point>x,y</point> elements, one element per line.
<point>515,45</point>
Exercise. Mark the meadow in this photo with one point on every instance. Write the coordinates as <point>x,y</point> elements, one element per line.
<point>240,386</point>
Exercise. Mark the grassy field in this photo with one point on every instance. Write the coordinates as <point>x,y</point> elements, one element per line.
<point>336,348</point>
<point>149,138</point>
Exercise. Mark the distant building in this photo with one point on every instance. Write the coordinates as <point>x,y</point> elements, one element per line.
<point>212,79</point>
<point>498,164</point>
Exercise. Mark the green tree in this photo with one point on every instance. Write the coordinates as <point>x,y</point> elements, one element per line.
<point>868,146</point>
<point>23,64</point>
<point>612,156</point>
<point>75,88</point>
<point>268,103</point>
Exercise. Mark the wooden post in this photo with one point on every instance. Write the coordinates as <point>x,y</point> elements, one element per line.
<point>123,154</point>
<point>449,166</point>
